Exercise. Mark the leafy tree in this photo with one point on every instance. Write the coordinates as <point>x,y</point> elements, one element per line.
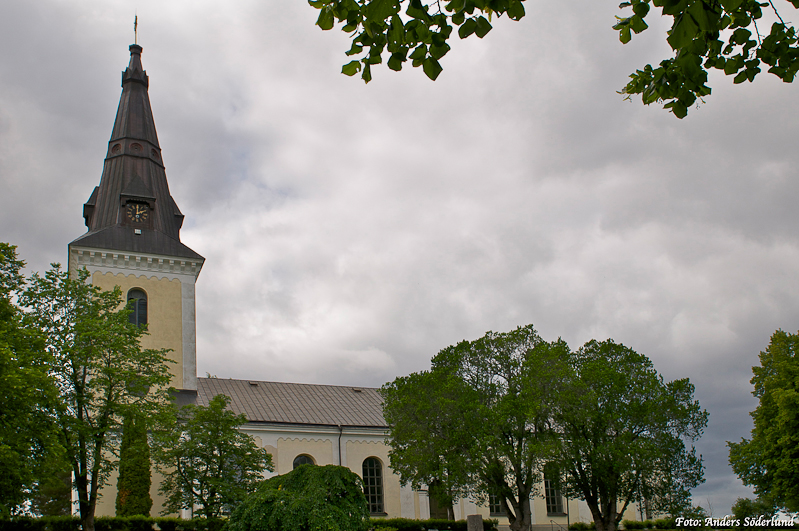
<point>769,461</point>
<point>487,425</point>
<point>424,412</point>
<point>134,480</point>
<point>207,462</point>
<point>623,433</point>
<point>491,414</point>
<point>748,508</point>
<point>319,498</point>
<point>94,357</point>
<point>29,449</point>
<point>721,34</point>
<point>53,494</point>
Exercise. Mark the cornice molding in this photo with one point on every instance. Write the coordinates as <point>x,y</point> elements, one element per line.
<point>93,259</point>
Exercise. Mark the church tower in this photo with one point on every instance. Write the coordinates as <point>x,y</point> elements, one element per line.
<point>133,237</point>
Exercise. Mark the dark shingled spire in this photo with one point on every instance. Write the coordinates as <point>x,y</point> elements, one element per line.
<point>134,179</point>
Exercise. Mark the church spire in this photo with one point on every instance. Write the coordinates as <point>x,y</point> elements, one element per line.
<point>132,209</point>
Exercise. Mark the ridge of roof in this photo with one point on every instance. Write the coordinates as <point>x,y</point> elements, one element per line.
<point>297,403</point>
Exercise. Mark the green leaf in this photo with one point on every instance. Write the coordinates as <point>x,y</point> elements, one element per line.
<point>683,32</point>
<point>437,52</point>
<point>417,10</point>
<point>351,68</point>
<point>467,28</point>
<point>637,24</point>
<point>395,61</point>
<point>699,13</point>
<point>380,10</point>
<point>355,49</point>
<point>516,10</point>
<point>483,27</point>
<point>624,34</point>
<point>420,52</point>
<point>367,73</point>
<point>641,9</point>
<point>325,20</point>
<point>431,68</point>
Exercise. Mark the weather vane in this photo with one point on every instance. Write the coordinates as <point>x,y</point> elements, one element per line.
<point>135,29</point>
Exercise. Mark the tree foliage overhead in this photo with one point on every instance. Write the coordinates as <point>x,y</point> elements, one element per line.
<point>94,358</point>
<point>769,461</point>
<point>310,497</point>
<point>623,434</point>
<point>493,414</point>
<point>207,462</point>
<point>704,34</point>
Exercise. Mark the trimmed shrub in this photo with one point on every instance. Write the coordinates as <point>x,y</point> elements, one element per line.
<point>322,498</point>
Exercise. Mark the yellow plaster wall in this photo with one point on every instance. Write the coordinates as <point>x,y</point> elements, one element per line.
<point>287,449</point>
<point>164,313</point>
<point>357,452</point>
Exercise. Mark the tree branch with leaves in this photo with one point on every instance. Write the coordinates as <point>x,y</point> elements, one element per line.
<point>704,34</point>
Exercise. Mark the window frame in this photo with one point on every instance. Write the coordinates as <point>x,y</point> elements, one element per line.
<point>373,489</point>
<point>306,460</point>
<point>139,306</point>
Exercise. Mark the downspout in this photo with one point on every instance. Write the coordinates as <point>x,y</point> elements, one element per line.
<point>340,432</point>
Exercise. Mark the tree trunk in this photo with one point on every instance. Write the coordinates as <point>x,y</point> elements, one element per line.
<point>85,506</point>
<point>523,518</point>
<point>604,521</point>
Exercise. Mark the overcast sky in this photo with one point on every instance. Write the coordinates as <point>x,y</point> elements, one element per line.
<point>351,231</point>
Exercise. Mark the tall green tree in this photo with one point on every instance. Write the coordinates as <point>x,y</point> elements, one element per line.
<point>720,34</point>
<point>623,434</point>
<point>134,478</point>
<point>29,448</point>
<point>486,426</point>
<point>207,462</point>
<point>769,461</point>
<point>99,368</point>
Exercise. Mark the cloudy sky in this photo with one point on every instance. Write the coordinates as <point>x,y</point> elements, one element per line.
<point>351,231</point>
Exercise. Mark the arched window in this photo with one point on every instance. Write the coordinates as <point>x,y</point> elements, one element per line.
<point>137,302</point>
<point>303,459</point>
<point>373,484</point>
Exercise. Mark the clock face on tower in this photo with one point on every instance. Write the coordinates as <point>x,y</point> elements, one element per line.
<point>138,212</point>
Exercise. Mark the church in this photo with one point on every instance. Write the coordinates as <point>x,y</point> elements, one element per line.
<point>133,241</point>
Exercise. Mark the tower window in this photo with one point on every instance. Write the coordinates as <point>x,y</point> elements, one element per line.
<point>303,459</point>
<point>137,302</point>
<point>373,484</point>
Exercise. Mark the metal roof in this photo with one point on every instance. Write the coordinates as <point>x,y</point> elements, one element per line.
<point>291,403</point>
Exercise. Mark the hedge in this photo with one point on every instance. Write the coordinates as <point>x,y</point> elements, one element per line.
<point>143,523</point>
<point>406,524</point>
